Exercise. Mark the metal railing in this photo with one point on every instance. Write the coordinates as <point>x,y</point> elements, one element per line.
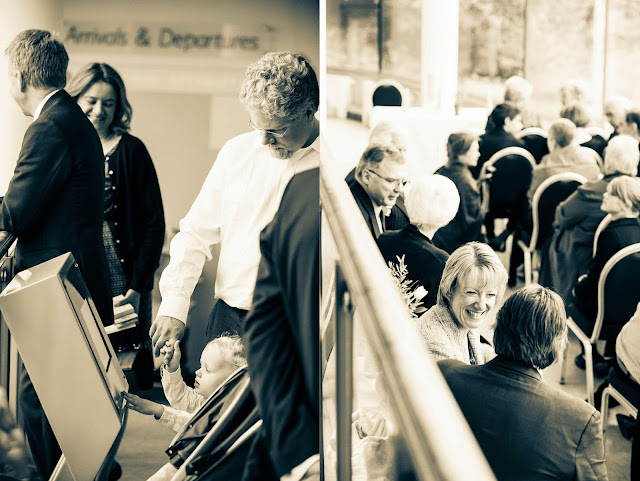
<point>9,360</point>
<point>440,443</point>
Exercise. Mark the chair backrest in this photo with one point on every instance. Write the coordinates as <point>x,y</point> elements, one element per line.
<point>546,198</point>
<point>388,93</point>
<point>511,178</point>
<point>535,141</point>
<point>602,226</point>
<point>531,131</point>
<point>593,131</point>
<point>618,293</point>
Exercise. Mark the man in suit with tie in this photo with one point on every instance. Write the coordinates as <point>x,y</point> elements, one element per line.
<point>54,201</point>
<point>380,178</point>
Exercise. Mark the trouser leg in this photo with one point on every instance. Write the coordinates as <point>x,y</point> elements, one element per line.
<point>224,319</point>
<point>42,442</point>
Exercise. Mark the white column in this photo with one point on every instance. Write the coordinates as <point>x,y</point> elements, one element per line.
<point>439,78</point>
<point>599,56</point>
<point>15,17</point>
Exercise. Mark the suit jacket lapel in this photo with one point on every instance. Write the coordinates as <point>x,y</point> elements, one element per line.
<point>59,96</point>
<point>366,207</point>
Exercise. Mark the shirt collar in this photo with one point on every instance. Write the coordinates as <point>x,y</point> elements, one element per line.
<point>512,365</point>
<point>315,145</point>
<point>42,103</point>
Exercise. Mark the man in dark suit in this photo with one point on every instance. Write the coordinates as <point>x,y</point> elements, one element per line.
<point>380,178</point>
<point>282,340</point>
<point>527,429</point>
<point>54,201</point>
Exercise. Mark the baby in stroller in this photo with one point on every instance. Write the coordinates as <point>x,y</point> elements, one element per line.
<point>194,411</point>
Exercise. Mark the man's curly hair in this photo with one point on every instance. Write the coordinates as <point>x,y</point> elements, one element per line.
<point>280,85</point>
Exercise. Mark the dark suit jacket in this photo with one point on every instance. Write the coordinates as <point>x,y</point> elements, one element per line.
<point>281,329</point>
<point>397,219</point>
<point>424,261</point>
<point>527,429</point>
<point>55,199</point>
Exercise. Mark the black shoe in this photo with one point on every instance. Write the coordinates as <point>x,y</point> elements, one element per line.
<point>626,424</point>
<point>601,369</point>
<point>116,472</point>
<point>597,359</point>
<point>499,243</point>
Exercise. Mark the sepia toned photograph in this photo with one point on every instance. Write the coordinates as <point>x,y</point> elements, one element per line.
<point>341,240</point>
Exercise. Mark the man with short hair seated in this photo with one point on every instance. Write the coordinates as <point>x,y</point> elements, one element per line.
<point>565,156</point>
<point>381,175</point>
<point>526,428</point>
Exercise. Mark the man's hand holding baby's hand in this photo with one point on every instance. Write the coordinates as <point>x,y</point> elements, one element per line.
<point>143,406</point>
<point>172,356</point>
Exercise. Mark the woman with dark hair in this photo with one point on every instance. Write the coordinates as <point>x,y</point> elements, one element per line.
<point>462,150</point>
<point>526,428</point>
<point>134,227</point>
<point>503,122</point>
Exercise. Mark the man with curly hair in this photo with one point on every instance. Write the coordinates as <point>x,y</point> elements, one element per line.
<point>241,195</point>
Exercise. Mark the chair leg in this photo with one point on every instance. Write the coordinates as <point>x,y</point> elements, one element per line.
<point>588,357</point>
<point>605,410</point>
<point>527,268</point>
<point>563,364</point>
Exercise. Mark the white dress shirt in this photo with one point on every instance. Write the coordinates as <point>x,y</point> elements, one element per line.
<point>40,106</point>
<point>238,199</point>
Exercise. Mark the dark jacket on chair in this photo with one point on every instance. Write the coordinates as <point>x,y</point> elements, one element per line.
<point>492,142</point>
<point>466,226</point>
<point>618,235</point>
<point>567,254</point>
<point>424,261</point>
<point>527,429</point>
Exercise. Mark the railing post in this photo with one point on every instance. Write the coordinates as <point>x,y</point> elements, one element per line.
<point>344,375</point>
<point>8,370</point>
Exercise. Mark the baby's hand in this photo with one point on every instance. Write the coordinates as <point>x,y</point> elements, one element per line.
<point>143,406</point>
<point>172,356</point>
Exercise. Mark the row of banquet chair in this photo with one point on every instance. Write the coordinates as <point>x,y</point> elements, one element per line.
<point>618,293</point>
<point>535,139</point>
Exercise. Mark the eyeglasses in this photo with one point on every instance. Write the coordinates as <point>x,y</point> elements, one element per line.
<point>276,133</point>
<point>394,182</point>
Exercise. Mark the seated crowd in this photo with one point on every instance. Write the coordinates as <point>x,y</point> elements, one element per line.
<point>444,236</point>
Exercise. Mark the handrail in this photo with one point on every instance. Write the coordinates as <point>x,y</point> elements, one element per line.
<point>436,433</point>
<point>6,241</point>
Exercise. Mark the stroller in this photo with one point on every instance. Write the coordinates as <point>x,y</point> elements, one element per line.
<point>214,444</point>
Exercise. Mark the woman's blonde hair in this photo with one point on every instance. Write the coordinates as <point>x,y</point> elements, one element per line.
<point>621,156</point>
<point>626,189</point>
<point>231,350</point>
<point>465,259</point>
